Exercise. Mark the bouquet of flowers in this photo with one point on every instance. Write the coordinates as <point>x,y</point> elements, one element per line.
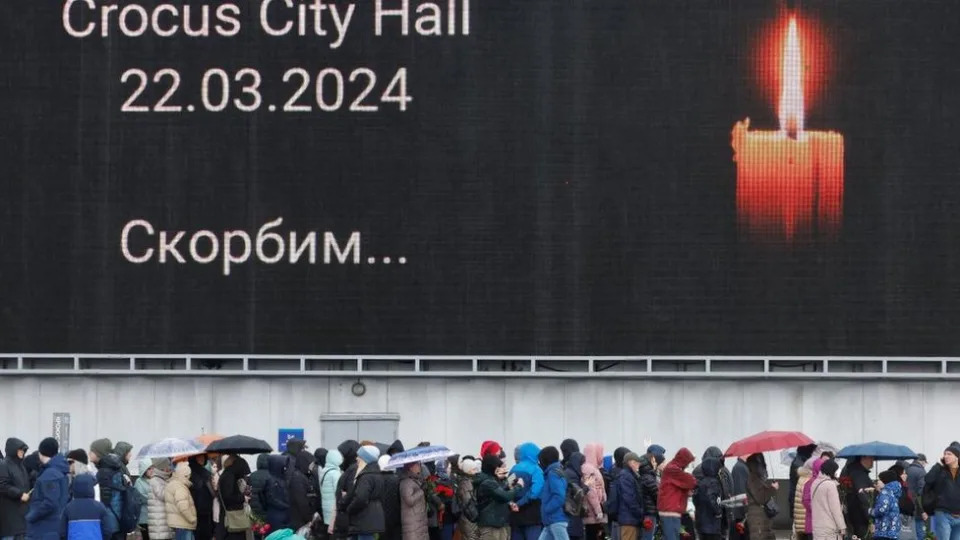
<point>259,526</point>
<point>845,488</point>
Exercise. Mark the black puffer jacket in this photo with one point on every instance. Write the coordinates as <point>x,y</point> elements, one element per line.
<point>301,505</point>
<point>571,471</point>
<point>229,484</point>
<point>390,501</point>
<point>649,488</point>
<point>362,503</point>
<point>258,483</point>
<point>201,488</point>
<point>108,467</point>
<point>14,482</point>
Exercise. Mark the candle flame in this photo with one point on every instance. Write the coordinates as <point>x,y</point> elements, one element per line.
<point>791,91</point>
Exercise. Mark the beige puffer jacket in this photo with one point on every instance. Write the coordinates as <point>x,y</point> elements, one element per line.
<point>181,512</point>
<point>799,511</point>
<point>157,508</point>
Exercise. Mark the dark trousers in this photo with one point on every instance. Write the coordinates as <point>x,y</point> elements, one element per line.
<point>144,532</point>
<point>595,531</point>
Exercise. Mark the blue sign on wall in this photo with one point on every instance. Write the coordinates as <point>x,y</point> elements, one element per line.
<point>285,434</point>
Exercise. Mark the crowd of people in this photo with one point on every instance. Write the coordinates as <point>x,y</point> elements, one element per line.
<point>550,493</point>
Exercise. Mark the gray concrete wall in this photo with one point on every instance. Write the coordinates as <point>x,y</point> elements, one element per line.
<point>461,413</point>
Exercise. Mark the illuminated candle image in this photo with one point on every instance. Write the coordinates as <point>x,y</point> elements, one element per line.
<point>789,182</point>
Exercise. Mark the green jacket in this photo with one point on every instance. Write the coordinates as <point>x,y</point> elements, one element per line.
<point>493,501</point>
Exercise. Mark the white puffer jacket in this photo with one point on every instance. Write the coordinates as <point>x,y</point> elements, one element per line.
<point>157,510</point>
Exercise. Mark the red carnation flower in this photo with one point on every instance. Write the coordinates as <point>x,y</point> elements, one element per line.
<point>647,523</point>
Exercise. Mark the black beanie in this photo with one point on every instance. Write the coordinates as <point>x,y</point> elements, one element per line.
<point>830,468</point>
<point>79,455</point>
<point>491,463</point>
<point>889,477</point>
<point>953,450</point>
<point>49,447</point>
<point>548,456</point>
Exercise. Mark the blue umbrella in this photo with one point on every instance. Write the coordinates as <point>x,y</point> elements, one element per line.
<point>421,454</point>
<point>170,448</point>
<point>878,450</point>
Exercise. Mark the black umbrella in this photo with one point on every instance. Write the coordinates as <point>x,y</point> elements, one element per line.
<point>239,444</point>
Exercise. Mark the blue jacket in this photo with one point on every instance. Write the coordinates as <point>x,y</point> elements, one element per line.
<point>886,512</point>
<point>48,500</point>
<point>629,510</point>
<point>529,469</point>
<point>553,495</point>
<point>86,518</point>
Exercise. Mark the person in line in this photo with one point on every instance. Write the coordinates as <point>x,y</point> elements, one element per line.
<point>391,502</point>
<point>492,448</point>
<point>50,494</point>
<point>553,496</point>
<point>886,508</point>
<point>85,518</point>
<point>156,502</point>
<point>348,449</point>
<point>596,496</point>
<point>574,476</point>
<point>466,499</point>
<point>110,473</point>
<point>915,474</point>
<point>706,501</point>
<point>494,499</point>
<point>258,483</point>
<point>124,451</point>
<point>726,483</point>
<point>179,503</point>
<point>567,448</point>
<point>232,487</point>
<point>675,487</point>
<point>649,494</point>
<point>806,498</point>
<point>944,482</point>
<point>804,475</point>
<point>738,477</point>
<point>79,463</point>
<point>630,497</point>
<point>301,507</point>
<point>329,477</point>
<point>827,512</point>
<point>804,453</point>
<point>14,491</point>
<point>98,450</point>
<point>858,506</point>
<point>612,496</point>
<point>202,489</point>
<point>525,521</point>
<point>142,485</point>
<point>759,492</point>
<point>276,501</point>
<point>361,505</point>
<point>413,501</point>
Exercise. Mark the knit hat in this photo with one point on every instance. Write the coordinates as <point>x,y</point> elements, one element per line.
<point>888,477</point>
<point>830,468</point>
<point>631,457</point>
<point>548,456</point>
<point>49,447</point>
<point>79,455</point>
<point>490,448</point>
<point>953,450</point>
<point>658,451</point>
<point>491,463</point>
<point>382,462</point>
<point>102,447</point>
<point>368,454</point>
<point>470,466</point>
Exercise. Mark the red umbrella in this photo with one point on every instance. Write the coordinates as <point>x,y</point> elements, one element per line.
<point>767,441</point>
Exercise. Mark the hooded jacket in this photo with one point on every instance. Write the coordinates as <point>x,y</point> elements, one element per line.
<point>181,512</point>
<point>295,446</point>
<point>567,448</point>
<point>553,496</point>
<point>806,496</point>
<point>258,483</point>
<point>85,518</point>
<point>362,504</point>
<point>573,475</point>
<point>142,486</point>
<point>618,456</point>
<point>395,448</point>
<point>14,482</point>
<point>493,499</point>
<point>157,507</point>
<point>276,502</point>
<point>109,466</point>
<point>596,494</point>
<point>709,514</point>
<point>390,501</point>
<point>122,450</point>
<point>629,506</point>
<point>676,484</point>
<point>886,512</point>
<point>413,507</point>
<point>49,498</point>
<point>201,488</point>
<point>301,504</point>
<point>528,468</point>
<point>328,479</point>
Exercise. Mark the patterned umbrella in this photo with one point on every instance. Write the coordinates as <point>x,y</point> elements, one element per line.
<point>170,448</point>
<point>421,454</point>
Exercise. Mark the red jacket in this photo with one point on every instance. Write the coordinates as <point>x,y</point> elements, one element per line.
<point>676,484</point>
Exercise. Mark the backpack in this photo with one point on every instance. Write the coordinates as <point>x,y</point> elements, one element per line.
<point>573,499</point>
<point>125,503</point>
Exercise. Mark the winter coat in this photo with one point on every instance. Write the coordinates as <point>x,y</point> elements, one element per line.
<point>738,477</point>
<point>344,485</point>
<point>413,507</point>
<point>726,480</point>
<point>528,469</point>
<point>806,497</point>
<point>573,476</point>
<point>157,508</point>
<point>466,495</point>
<point>915,476</point>
<point>301,505</point>
<point>886,512</point>
<point>107,470</point>
<point>258,483</point>
<point>629,510</point>
<point>799,511</point>
<point>49,498</point>
<point>553,496</point>
<point>676,484</point>
<point>593,479</point>
<point>178,502</point>
<point>709,514</point>
<point>84,518</point>
<point>946,487</point>
<point>328,479</point>
<point>362,504</point>
<point>828,521</point>
<point>567,448</point>
<point>649,489</point>
<point>276,503</point>
<point>201,489</point>
<point>804,453</point>
<point>493,501</point>
<point>857,504</point>
<point>232,484</point>
<point>14,482</point>
<point>392,506</point>
<point>759,491</point>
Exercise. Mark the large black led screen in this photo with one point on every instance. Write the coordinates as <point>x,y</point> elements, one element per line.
<point>480,177</point>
